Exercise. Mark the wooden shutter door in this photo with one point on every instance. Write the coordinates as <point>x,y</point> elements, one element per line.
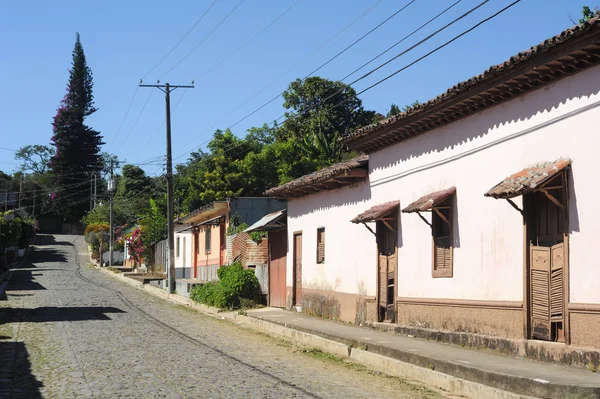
<point>540,292</point>
<point>557,297</point>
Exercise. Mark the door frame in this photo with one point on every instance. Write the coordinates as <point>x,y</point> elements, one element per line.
<point>395,212</point>
<point>294,269</point>
<point>526,208</point>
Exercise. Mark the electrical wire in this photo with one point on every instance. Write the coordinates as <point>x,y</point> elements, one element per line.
<point>248,41</point>
<point>126,113</point>
<point>203,40</point>
<point>180,40</point>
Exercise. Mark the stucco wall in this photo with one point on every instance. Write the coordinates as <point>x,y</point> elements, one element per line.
<point>474,154</point>
<point>350,250</point>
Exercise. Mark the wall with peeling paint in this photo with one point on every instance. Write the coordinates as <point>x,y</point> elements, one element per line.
<point>474,154</point>
<point>350,251</point>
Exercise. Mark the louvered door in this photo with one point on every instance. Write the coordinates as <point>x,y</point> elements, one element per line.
<point>443,253</point>
<point>540,292</point>
<point>383,280</point>
<point>557,297</point>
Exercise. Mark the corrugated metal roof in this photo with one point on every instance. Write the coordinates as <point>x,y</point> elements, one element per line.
<point>375,212</point>
<point>272,221</point>
<point>426,202</point>
<point>527,180</point>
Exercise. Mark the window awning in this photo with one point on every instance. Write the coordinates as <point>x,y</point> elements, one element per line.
<point>528,180</point>
<point>429,201</point>
<point>272,221</point>
<point>376,212</point>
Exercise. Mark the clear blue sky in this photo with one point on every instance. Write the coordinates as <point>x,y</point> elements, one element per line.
<point>123,40</point>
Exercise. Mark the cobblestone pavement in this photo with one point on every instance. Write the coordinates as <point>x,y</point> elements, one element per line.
<point>67,330</point>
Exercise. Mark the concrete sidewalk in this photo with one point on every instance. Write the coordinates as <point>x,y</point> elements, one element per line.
<point>511,374</point>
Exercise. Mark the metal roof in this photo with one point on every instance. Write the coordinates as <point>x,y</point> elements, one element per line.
<point>272,221</point>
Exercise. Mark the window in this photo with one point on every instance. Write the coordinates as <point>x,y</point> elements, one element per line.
<point>207,239</point>
<point>183,251</point>
<point>177,248</point>
<point>441,228</point>
<point>321,245</point>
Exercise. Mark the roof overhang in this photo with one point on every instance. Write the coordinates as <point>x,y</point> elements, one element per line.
<point>529,179</point>
<point>570,52</point>
<point>376,212</point>
<point>329,178</point>
<point>272,221</point>
<point>429,201</point>
<point>201,215</point>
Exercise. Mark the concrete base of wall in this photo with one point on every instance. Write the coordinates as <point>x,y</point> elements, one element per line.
<point>341,306</point>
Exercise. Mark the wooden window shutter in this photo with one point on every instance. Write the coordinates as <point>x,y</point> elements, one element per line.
<point>321,245</point>
<point>557,292</point>
<point>443,251</point>
<point>540,292</point>
<point>207,239</point>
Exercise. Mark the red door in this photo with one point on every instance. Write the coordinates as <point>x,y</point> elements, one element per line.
<point>277,269</point>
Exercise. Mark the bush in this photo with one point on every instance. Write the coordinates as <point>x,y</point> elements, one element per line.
<point>236,287</point>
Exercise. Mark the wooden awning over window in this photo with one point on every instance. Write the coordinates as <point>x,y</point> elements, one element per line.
<point>429,201</point>
<point>528,180</point>
<point>376,212</point>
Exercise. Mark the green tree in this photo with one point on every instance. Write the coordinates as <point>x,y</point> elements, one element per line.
<point>588,14</point>
<point>394,110</point>
<point>35,158</point>
<point>323,112</point>
<point>77,145</point>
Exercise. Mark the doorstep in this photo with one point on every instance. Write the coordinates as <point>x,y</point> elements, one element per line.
<point>517,375</point>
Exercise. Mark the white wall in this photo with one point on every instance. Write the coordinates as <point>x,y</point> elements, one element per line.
<point>474,154</point>
<point>350,250</point>
<point>186,253</point>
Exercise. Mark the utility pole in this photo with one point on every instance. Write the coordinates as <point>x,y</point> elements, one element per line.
<point>167,89</point>
<point>91,181</point>
<point>111,187</point>
<point>33,211</point>
<point>95,188</point>
<point>20,189</point>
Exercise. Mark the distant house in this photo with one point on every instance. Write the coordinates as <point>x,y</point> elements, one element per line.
<point>478,216</point>
<point>205,230</point>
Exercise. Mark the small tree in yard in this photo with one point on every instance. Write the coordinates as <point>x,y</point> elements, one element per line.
<point>135,246</point>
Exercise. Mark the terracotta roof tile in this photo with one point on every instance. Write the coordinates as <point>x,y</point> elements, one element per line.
<point>528,179</point>
<point>375,212</point>
<point>291,189</point>
<point>428,115</point>
<point>426,202</point>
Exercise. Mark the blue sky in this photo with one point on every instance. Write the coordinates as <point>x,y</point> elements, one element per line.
<point>123,40</point>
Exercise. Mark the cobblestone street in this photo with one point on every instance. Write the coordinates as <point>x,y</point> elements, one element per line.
<point>67,330</point>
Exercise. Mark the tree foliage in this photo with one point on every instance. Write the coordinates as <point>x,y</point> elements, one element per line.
<point>77,146</point>
<point>587,13</point>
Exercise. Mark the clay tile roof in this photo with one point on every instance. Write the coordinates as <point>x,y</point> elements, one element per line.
<point>567,53</point>
<point>427,202</point>
<point>323,179</point>
<point>527,180</point>
<point>375,212</point>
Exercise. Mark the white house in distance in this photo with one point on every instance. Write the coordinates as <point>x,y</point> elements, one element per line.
<point>478,219</point>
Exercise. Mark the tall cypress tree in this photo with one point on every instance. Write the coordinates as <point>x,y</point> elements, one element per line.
<point>77,144</point>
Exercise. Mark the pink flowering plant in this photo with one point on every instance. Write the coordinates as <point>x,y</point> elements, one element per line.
<point>135,245</point>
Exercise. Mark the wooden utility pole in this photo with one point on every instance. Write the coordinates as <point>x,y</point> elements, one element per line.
<point>167,89</point>
<point>111,188</point>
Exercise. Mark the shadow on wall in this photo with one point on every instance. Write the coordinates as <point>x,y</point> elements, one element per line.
<point>16,375</point>
<point>582,85</point>
<point>325,200</point>
<point>572,204</point>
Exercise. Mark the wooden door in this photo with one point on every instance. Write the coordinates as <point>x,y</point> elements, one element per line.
<point>277,268</point>
<point>387,262</point>
<point>297,269</point>
<point>547,291</point>
<point>196,250</point>
<point>222,244</point>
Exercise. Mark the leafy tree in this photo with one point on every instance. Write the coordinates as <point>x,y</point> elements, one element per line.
<point>394,110</point>
<point>77,145</point>
<point>588,14</point>
<point>409,106</point>
<point>35,158</point>
<point>323,112</point>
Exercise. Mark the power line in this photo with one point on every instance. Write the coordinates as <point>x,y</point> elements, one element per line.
<point>7,149</point>
<point>248,41</point>
<point>203,40</point>
<point>416,61</point>
<point>285,73</point>
<point>126,113</point>
<point>138,117</point>
<point>180,40</point>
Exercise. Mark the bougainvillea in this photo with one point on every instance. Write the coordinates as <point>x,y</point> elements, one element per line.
<point>135,245</point>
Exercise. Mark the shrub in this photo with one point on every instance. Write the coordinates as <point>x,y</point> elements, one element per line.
<point>236,287</point>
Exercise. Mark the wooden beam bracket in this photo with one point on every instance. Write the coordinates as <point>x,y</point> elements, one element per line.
<point>552,198</point>
<point>511,202</point>
<point>370,229</point>
<point>441,215</point>
<point>423,218</point>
